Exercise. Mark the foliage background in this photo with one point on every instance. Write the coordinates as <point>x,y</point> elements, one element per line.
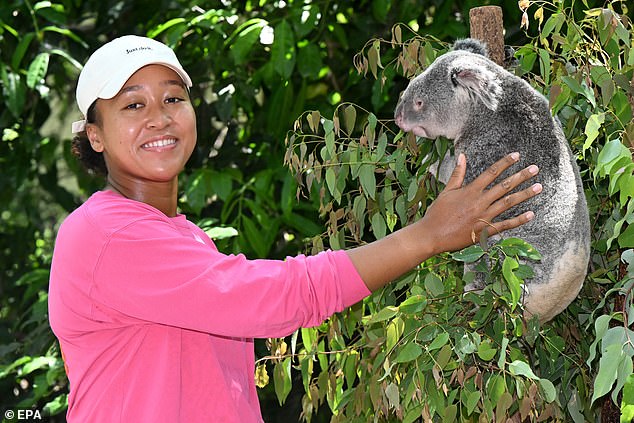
<point>249,92</point>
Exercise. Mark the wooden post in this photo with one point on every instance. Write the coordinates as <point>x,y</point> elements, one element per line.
<point>487,25</point>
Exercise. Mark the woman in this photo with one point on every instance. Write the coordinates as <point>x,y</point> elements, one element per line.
<point>154,323</point>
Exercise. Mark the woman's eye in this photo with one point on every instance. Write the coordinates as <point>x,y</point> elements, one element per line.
<point>133,106</point>
<point>173,100</point>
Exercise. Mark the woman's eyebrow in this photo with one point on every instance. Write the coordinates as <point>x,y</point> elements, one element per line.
<point>173,82</point>
<point>130,88</point>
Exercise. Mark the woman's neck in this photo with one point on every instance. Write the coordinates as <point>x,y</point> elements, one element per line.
<point>160,195</point>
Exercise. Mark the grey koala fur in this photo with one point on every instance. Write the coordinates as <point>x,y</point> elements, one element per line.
<point>488,113</point>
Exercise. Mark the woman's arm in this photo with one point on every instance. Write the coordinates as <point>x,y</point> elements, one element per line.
<point>454,221</point>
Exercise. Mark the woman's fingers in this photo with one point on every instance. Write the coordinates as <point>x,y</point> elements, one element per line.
<point>457,176</point>
<point>514,199</point>
<point>511,223</point>
<point>512,182</point>
<point>510,201</point>
<point>488,176</point>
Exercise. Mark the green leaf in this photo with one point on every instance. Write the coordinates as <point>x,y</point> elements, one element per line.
<point>496,387</point>
<point>350,118</point>
<point>411,351</point>
<point>555,21</point>
<point>443,356</point>
<point>521,368</point>
<point>14,91</point>
<point>378,225</point>
<point>165,26</point>
<point>66,56</point>
<point>309,62</point>
<point>19,52</point>
<point>219,233</point>
<point>613,151</point>
<point>518,247</point>
<point>56,406</point>
<point>391,219</point>
<point>383,314</point>
<point>601,325</point>
<point>244,38</point>
<point>393,396</point>
<point>351,366</point>
<point>255,236</point>
<point>548,390</point>
<point>513,282</point>
<point>413,305</point>
<point>607,373</point>
<point>221,184</point>
<point>51,11</point>
<point>626,367</point>
<point>544,64</point>
<point>438,341</point>
<point>627,402</point>
<point>434,285</point>
<point>282,379</point>
<point>593,125</point>
<point>329,139</point>
<point>486,350</point>
<point>469,254</point>
<point>473,398</point>
<point>394,332</point>
<point>331,181</point>
<point>626,239</point>
<point>261,376</point>
<point>309,338</point>
<point>450,414</point>
<point>283,50</point>
<point>36,364</point>
<point>368,180</point>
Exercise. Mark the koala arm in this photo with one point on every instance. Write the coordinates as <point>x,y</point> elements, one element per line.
<point>452,222</point>
<point>443,169</point>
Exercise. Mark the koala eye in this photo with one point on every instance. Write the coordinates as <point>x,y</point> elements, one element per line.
<point>454,80</point>
<point>418,104</point>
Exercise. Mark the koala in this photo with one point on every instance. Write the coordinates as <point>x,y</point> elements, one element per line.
<point>488,112</point>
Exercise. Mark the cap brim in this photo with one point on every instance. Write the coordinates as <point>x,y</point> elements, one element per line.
<point>117,82</point>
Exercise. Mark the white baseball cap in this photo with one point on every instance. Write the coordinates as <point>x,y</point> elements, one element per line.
<point>112,64</point>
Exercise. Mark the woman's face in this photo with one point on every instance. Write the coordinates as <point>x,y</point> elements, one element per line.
<point>147,132</point>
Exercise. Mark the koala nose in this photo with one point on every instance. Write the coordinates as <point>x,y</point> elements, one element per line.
<point>398,113</point>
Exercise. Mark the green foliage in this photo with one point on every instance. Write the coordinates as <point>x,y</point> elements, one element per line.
<point>422,348</point>
<point>256,67</point>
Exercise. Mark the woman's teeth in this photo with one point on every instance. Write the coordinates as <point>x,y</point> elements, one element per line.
<point>160,143</point>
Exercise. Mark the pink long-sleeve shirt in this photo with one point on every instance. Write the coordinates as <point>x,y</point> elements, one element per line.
<point>156,325</point>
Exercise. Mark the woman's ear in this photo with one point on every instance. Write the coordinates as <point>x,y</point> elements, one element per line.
<point>93,136</point>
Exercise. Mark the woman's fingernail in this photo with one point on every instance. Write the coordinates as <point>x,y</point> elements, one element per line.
<point>515,156</point>
<point>529,215</point>
<point>537,188</point>
<point>533,169</point>
<point>461,159</point>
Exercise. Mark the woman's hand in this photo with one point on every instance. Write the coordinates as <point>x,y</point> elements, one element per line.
<point>458,216</point>
<point>455,220</point>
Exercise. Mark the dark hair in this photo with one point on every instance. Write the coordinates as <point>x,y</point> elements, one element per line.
<point>92,160</point>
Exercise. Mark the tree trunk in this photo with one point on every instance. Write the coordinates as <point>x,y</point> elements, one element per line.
<point>487,25</point>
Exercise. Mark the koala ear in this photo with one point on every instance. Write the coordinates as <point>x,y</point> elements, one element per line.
<point>479,83</point>
<point>472,45</point>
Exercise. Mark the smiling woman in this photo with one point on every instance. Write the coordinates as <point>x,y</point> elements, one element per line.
<point>155,324</point>
<point>146,133</point>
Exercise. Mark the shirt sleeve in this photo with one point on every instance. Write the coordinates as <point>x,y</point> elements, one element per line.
<point>150,271</point>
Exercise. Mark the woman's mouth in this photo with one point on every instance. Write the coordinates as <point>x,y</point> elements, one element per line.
<point>159,143</point>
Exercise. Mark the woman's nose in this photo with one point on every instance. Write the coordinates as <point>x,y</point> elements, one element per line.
<point>159,117</point>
